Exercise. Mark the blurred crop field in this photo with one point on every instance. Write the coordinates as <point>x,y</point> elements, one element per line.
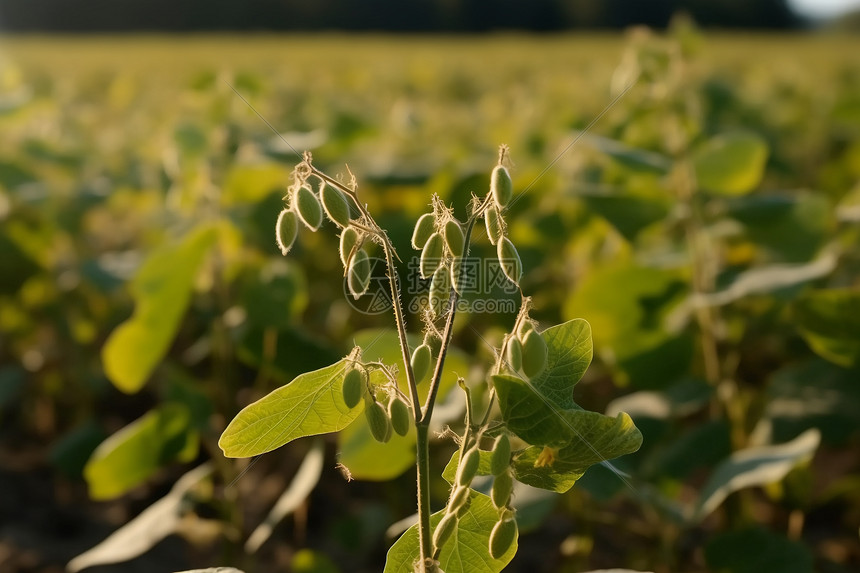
<point>695,197</point>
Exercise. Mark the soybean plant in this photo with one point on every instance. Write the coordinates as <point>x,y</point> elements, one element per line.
<point>530,430</point>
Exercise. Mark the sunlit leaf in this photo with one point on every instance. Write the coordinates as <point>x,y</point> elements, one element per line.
<point>142,533</point>
<point>731,164</point>
<point>162,291</point>
<point>251,183</point>
<point>829,320</point>
<point>755,466</point>
<point>467,551</point>
<point>133,454</point>
<point>311,404</point>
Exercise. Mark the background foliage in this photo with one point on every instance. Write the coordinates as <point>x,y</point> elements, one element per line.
<point>706,227</point>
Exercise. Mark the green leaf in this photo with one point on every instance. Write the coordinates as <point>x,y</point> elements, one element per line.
<point>731,164</point>
<point>581,438</point>
<point>569,352</point>
<point>755,466</point>
<point>829,320</point>
<point>630,157</point>
<point>153,524</point>
<point>251,183</point>
<point>133,454</point>
<point>791,227</point>
<point>753,550</point>
<point>628,213</point>
<point>162,290</point>
<point>627,306</point>
<point>311,404</point>
<point>359,452</point>
<point>468,549</point>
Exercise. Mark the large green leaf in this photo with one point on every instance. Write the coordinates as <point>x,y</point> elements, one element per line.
<point>628,213</point>
<point>131,455</point>
<point>162,290</point>
<point>569,352</point>
<point>755,466</point>
<point>829,320</point>
<point>252,182</point>
<point>359,452</point>
<point>311,404</point>
<point>630,157</point>
<point>579,438</point>
<point>466,551</point>
<point>753,550</point>
<point>731,164</point>
<point>627,306</point>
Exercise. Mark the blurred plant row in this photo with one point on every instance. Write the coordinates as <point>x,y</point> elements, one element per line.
<point>707,226</point>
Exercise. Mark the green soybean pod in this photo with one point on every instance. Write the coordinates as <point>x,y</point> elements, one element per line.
<point>493,221</point>
<point>500,459</point>
<point>440,289</point>
<point>468,467</point>
<point>501,186</point>
<point>335,204</point>
<point>398,411</point>
<point>456,279</point>
<point>431,255</point>
<point>308,207</point>
<point>534,354</point>
<point>421,358</point>
<point>286,230</point>
<point>459,497</point>
<point>377,419</point>
<point>348,242</point>
<point>454,238</point>
<point>358,276</point>
<point>444,529</point>
<point>509,259</point>
<point>515,353</point>
<point>502,537</point>
<point>424,227</point>
<point>352,387</point>
<point>503,485</point>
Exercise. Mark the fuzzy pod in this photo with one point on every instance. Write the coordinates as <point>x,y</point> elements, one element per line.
<point>398,411</point>
<point>286,230</point>
<point>353,384</point>
<point>431,255</point>
<point>525,327</point>
<point>515,353</point>
<point>500,459</point>
<point>358,276</point>
<point>421,358</point>
<point>348,241</point>
<point>454,238</point>
<point>468,467</point>
<point>444,529</point>
<point>335,204</point>
<point>455,267</point>
<point>308,207</point>
<point>424,227</point>
<point>440,290</point>
<point>501,186</point>
<point>509,259</point>
<point>459,498</point>
<point>377,419</point>
<point>534,354</point>
<point>502,537</point>
<point>493,221</point>
<point>503,485</point>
